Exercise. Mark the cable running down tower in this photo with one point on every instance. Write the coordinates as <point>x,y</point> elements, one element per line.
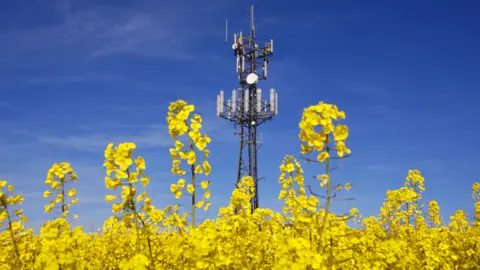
<point>246,109</point>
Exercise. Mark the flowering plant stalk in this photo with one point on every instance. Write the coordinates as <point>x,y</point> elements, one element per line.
<point>13,219</point>
<point>320,133</point>
<point>179,114</point>
<point>57,177</point>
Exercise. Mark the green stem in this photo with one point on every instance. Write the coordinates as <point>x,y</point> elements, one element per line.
<point>63,195</point>
<point>138,217</point>
<point>148,240</point>
<point>192,169</point>
<point>408,216</point>
<point>329,199</point>
<point>15,246</point>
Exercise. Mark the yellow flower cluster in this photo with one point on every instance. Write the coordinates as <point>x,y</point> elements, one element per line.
<point>476,191</point>
<point>7,203</point>
<point>305,235</point>
<point>318,129</point>
<point>434,217</point>
<point>118,160</point>
<point>57,177</point>
<point>177,118</point>
<point>292,179</point>
<point>11,224</point>
<point>401,207</point>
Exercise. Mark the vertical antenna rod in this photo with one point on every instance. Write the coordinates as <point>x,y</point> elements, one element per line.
<point>226,30</point>
<point>247,109</point>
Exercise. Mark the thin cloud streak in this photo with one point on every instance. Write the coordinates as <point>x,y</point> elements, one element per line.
<point>101,31</point>
<point>93,78</point>
<point>148,138</point>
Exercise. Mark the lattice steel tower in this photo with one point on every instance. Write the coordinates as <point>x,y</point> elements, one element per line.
<point>246,109</point>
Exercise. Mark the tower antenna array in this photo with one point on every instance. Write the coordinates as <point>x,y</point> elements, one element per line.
<point>246,109</point>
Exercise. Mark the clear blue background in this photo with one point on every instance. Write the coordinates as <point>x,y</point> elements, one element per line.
<point>76,75</point>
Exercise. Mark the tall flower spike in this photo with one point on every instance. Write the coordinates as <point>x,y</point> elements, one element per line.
<point>58,177</point>
<point>11,222</point>
<point>179,115</point>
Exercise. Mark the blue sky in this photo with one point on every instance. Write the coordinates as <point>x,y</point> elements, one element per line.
<point>76,75</point>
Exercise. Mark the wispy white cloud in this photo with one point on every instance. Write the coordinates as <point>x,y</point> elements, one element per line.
<point>142,34</point>
<point>94,138</point>
<point>91,78</point>
<point>21,139</point>
<point>151,136</point>
<point>147,29</point>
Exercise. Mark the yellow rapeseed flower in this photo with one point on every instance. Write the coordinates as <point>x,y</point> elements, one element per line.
<point>190,188</point>
<point>110,198</point>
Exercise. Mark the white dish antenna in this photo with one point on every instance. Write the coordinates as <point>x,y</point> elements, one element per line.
<point>252,78</point>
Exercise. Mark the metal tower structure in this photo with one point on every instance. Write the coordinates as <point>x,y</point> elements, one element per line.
<point>246,109</point>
